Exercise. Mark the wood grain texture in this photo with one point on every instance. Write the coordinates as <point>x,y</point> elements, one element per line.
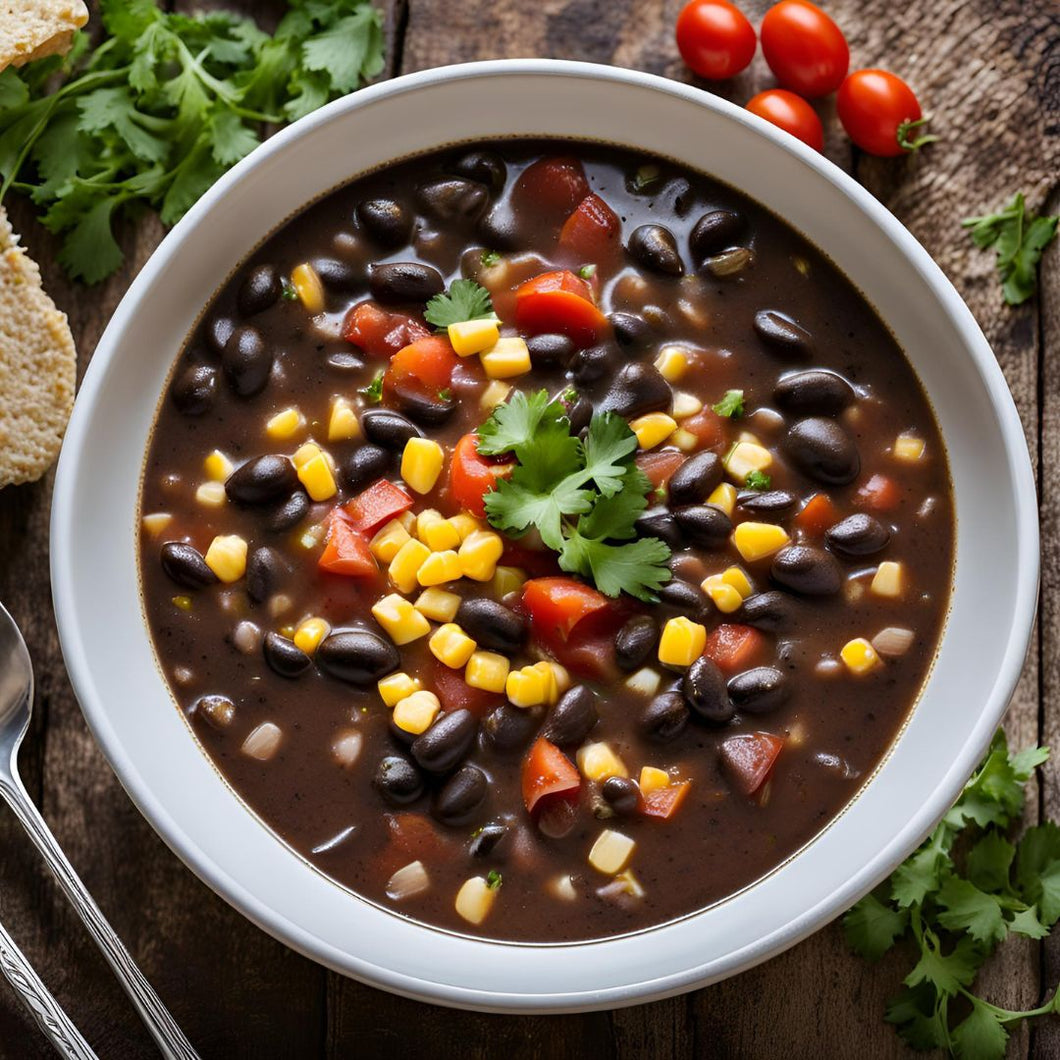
<point>991,73</point>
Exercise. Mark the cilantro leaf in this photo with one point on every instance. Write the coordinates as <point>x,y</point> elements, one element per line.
<point>637,568</point>
<point>373,392</point>
<point>966,908</point>
<point>465,300</point>
<point>988,862</point>
<point>758,480</point>
<point>946,972</point>
<point>916,1017</point>
<point>608,442</point>
<point>490,258</point>
<point>614,517</point>
<point>872,928</point>
<point>731,404</point>
<point>981,1036</point>
<point>1026,922</point>
<point>514,423</point>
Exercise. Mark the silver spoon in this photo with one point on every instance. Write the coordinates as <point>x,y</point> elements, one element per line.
<point>16,704</point>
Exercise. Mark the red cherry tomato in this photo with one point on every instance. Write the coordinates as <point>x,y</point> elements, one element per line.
<point>791,113</point>
<point>715,39</point>
<point>879,111</point>
<point>804,48</point>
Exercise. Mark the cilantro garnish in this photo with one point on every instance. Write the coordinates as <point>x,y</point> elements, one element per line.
<point>287,290</point>
<point>494,879</point>
<point>373,392</point>
<point>587,272</point>
<point>967,888</point>
<point>582,497</point>
<point>1019,239</point>
<point>731,404</point>
<point>490,258</point>
<point>757,480</point>
<point>157,111</point>
<point>644,177</point>
<point>465,300</point>
<point>445,395</point>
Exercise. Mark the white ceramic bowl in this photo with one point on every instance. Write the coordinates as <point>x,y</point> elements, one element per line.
<point>132,714</point>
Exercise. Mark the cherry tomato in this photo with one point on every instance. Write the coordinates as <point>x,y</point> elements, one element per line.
<point>715,39</point>
<point>804,48</point>
<point>791,113</point>
<point>878,111</point>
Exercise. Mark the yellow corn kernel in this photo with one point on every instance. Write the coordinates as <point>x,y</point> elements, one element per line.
<point>317,478</point>
<point>859,656</point>
<point>560,678</point>
<point>388,540</point>
<point>304,453</point>
<point>908,448</point>
<point>436,532</point>
<point>415,713</point>
<point>653,429</point>
<point>611,852</point>
<point>406,564</point>
<point>421,464</point>
<point>672,363</point>
<point>684,440</point>
<point>155,522</point>
<point>402,622</point>
<point>395,687</point>
<point>548,677</point>
<point>745,457</point>
<point>597,761</point>
<point>724,497</point>
<point>475,899</point>
<point>726,598</point>
<point>487,670</point>
<point>889,580</point>
<point>682,642</point>
<point>507,357</point>
<point>479,553</point>
<point>757,540</point>
<point>473,336</point>
<point>437,605</point>
<point>449,644</point>
<point>285,424</point>
<point>217,466</point>
<point>227,557</point>
<point>465,524</point>
<point>527,687</point>
<point>507,580</point>
<point>343,424</point>
<point>439,568</point>
<point>738,579</point>
<point>653,779</point>
<point>310,633</point>
<point>495,394</point>
<point>308,287</point>
<point>211,495</point>
<point>685,405</point>
<point>408,521</point>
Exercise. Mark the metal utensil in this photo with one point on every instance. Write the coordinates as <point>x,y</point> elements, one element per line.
<point>16,705</point>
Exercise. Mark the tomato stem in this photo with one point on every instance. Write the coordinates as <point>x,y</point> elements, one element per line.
<point>906,127</point>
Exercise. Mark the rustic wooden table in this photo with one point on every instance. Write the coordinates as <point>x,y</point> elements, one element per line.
<point>990,72</point>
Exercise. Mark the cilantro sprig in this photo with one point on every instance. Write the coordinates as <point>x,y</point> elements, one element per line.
<point>583,497</point>
<point>155,113</point>
<point>966,889</point>
<point>1019,238</point>
<point>465,300</point>
<point>731,404</point>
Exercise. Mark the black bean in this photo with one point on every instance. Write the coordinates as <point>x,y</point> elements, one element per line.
<point>247,361</point>
<point>386,221</point>
<point>365,464</point>
<point>632,332</point>
<point>815,392</point>
<point>357,656</point>
<point>345,361</point>
<point>389,429</point>
<point>591,364</point>
<point>431,412</point>
<point>772,611</point>
<point>338,275</point>
<point>695,479</point>
<point>491,625</point>
<point>398,780</point>
<point>288,514</point>
<point>635,642</point>
<point>687,598</point>
<point>499,229</point>
<point>858,535</point>
<point>550,351</point>
<point>716,230</point>
<point>484,166</point>
<point>453,201</point>
<point>219,331</point>
<point>508,729</point>
<point>185,565</point>
<point>488,841</point>
<point>572,718</point>
<point>770,502</point>
<point>195,390</point>
<point>284,656</point>
<point>659,522</point>
<point>704,525</point>
<point>262,480</point>
<point>823,450</point>
<point>807,570</point>
<point>555,816</point>
<point>216,710</point>
<point>265,571</point>
<point>654,247</point>
<point>259,290</point>
<point>782,334</point>
<point>638,388</point>
<point>760,690</point>
<point>580,414</point>
<point>665,717</point>
<point>462,796</point>
<point>622,795</point>
<point>404,281</point>
<point>705,692</point>
<point>445,744</point>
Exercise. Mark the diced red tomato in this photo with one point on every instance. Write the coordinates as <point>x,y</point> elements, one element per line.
<point>707,426</point>
<point>346,551</point>
<point>879,494</point>
<point>592,232</point>
<point>427,364</point>
<point>733,647</point>
<point>748,759</point>
<point>665,802</point>
<point>817,515</point>
<point>455,693</point>
<point>559,302</point>
<point>381,332</point>
<point>411,837</point>
<point>547,771</point>
<point>659,464</point>
<point>472,476</point>
<point>552,187</point>
<point>376,505</point>
<point>559,604</point>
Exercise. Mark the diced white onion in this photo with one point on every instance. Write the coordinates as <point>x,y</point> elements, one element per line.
<point>645,681</point>
<point>263,742</point>
<point>246,638</point>
<point>407,881</point>
<point>346,747</point>
<point>893,641</point>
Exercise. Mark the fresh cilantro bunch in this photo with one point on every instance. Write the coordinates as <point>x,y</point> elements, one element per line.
<point>1019,239</point>
<point>965,889</point>
<point>582,497</point>
<point>157,111</point>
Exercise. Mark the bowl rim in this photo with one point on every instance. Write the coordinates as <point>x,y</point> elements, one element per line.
<point>63,527</point>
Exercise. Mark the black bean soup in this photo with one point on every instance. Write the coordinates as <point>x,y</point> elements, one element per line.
<point>524,735</point>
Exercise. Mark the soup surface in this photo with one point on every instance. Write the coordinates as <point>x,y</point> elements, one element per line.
<point>544,540</point>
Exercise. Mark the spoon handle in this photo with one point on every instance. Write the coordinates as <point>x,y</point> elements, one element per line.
<point>53,1021</point>
<point>167,1035</point>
